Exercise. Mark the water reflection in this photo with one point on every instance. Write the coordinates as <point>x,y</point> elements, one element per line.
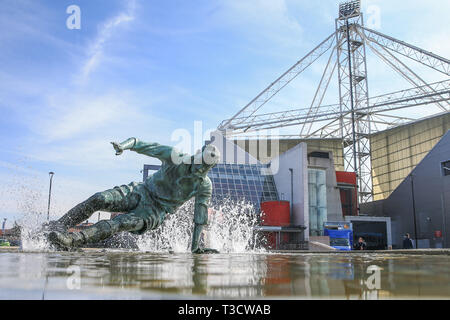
<point>137,275</point>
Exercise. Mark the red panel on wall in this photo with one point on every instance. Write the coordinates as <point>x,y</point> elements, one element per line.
<point>346,177</point>
<point>348,194</point>
<point>275,213</point>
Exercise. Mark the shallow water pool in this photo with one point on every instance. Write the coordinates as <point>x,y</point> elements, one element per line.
<point>131,275</point>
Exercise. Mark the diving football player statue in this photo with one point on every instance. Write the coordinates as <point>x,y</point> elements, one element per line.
<point>146,205</point>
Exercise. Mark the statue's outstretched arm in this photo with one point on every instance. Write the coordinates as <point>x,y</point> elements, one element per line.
<point>126,145</point>
<point>154,150</point>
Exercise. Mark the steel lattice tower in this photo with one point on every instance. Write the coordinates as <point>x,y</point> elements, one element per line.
<point>357,115</point>
<point>354,95</point>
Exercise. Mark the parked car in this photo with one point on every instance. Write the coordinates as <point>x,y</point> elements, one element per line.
<point>4,243</point>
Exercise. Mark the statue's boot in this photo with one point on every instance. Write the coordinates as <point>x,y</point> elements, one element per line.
<point>47,228</point>
<point>74,216</point>
<point>100,231</point>
<point>83,211</point>
<point>66,240</point>
<point>54,226</point>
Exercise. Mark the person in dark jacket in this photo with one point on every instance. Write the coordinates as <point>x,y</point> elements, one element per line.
<point>361,244</point>
<point>407,242</point>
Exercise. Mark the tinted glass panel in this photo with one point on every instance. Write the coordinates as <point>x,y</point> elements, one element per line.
<point>242,182</point>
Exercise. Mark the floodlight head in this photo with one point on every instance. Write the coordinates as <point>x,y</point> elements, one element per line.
<point>349,9</point>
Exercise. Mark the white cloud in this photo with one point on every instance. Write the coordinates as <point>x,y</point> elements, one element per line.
<point>97,48</point>
<point>74,115</point>
<point>25,20</point>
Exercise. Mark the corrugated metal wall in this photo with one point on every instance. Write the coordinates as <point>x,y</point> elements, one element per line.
<point>396,152</point>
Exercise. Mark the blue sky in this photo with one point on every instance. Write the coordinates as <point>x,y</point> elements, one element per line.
<point>147,68</point>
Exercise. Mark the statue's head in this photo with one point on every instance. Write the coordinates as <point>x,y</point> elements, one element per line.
<point>205,159</point>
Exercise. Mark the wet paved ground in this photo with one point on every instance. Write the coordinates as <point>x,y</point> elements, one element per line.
<point>130,275</point>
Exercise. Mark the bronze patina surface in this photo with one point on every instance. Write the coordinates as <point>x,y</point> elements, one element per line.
<point>146,204</point>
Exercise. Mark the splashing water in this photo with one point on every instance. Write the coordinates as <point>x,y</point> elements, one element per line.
<point>30,198</point>
<point>32,219</point>
<point>173,235</point>
<point>230,230</point>
<point>31,237</point>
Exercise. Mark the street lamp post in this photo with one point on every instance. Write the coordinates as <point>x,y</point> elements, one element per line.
<point>49,195</point>
<point>4,226</point>
<point>414,210</point>
<point>292,197</point>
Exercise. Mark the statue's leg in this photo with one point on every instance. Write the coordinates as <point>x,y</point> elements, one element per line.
<point>98,232</point>
<point>114,200</point>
